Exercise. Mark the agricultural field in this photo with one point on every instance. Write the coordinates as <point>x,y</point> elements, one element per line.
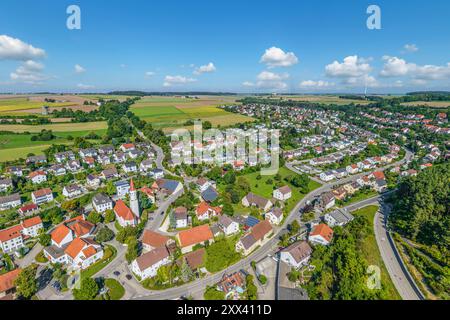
<point>56,127</point>
<point>433,104</point>
<point>14,146</point>
<point>25,105</point>
<point>330,99</point>
<point>170,113</point>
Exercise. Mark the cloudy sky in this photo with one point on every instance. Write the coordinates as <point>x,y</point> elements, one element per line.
<point>238,46</point>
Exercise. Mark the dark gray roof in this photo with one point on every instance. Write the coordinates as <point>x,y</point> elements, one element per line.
<point>248,241</point>
<point>210,194</point>
<point>100,198</point>
<point>10,198</point>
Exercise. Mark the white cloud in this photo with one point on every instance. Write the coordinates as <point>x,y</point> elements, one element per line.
<point>351,67</point>
<point>16,49</point>
<point>397,67</point>
<point>276,57</point>
<point>149,74</point>
<point>248,84</point>
<point>205,69</point>
<point>311,84</point>
<point>177,80</point>
<point>271,80</point>
<point>85,86</point>
<point>411,48</point>
<point>79,69</point>
<point>29,72</point>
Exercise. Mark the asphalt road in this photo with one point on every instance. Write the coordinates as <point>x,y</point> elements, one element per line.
<point>392,261</point>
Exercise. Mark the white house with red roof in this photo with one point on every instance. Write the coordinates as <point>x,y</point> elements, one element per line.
<point>204,211</point>
<point>81,253</point>
<point>321,234</point>
<point>12,239</point>
<point>42,196</point>
<point>147,265</point>
<point>37,177</point>
<point>127,147</point>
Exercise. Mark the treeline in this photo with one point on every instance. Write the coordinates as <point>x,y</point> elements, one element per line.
<point>422,207</point>
<point>341,269</point>
<point>78,115</point>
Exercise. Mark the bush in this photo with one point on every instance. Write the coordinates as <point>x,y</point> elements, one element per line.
<point>211,293</point>
<point>104,235</point>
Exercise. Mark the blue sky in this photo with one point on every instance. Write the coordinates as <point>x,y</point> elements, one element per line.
<point>238,46</point>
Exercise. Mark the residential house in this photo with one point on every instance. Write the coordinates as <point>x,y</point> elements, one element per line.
<point>258,234</point>
<point>42,196</point>
<point>204,211</point>
<point>297,254</point>
<point>352,169</point>
<point>228,226</point>
<point>195,236</point>
<point>36,160</point>
<point>275,216</point>
<point>180,217</point>
<point>284,193</point>
<point>233,284</point>
<point>147,265</point>
<point>167,187</point>
<point>127,147</point>
<point>5,184</point>
<point>327,176</point>
<point>10,201</point>
<point>327,200</point>
<point>61,157</point>
<point>89,152</point>
<point>57,170</point>
<point>92,181</point>
<point>338,217</point>
<point>102,202</point>
<point>152,240</point>
<point>12,238</point>
<point>110,173</point>
<point>37,177</point>
<point>321,234</point>
<point>28,209</point>
<point>146,165</point>
<point>73,166</point>
<point>210,194</point>
<point>157,174</point>
<point>252,199</point>
<point>72,191</point>
<point>130,167</point>
<point>16,171</point>
<point>7,284</point>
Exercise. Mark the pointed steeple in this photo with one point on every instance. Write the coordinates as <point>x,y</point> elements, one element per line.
<point>132,185</point>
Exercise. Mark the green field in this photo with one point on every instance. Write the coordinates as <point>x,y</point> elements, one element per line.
<point>261,188</point>
<point>14,146</point>
<point>56,127</point>
<point>169,113</point>
<point>372,254</point>
<point>17,104</point>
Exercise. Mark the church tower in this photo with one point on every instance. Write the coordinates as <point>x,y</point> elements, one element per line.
<point>134,202</point>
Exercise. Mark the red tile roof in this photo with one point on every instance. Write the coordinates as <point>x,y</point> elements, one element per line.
<point>10,233</point>
<point>75,247</point>
<point>123,211</point>
<point>31,222</point>
<point>60,233</point>
<point>42,192</point>
<point>154,239</point>
<point>7,280</point>
<point>323,230</point>
<point>195,235</point>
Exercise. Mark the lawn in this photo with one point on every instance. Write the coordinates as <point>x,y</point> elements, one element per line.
<point>261,188</point>
<point>372,254</point>
<point>360,196</point>
<point>16,153</point>
<point>56,127</point>
<point>116,290</point>
<point>108,256</point>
